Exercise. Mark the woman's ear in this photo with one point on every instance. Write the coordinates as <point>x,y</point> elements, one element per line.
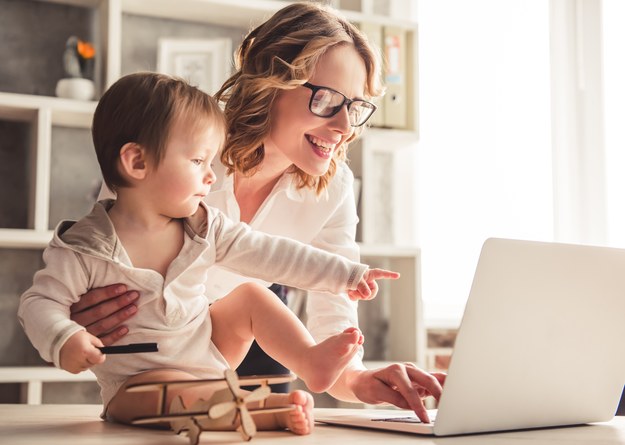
<point>133,161</point>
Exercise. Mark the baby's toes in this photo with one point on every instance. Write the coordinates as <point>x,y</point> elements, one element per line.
<point>298,423</point>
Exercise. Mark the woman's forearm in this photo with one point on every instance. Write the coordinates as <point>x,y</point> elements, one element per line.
<point>343,388</point>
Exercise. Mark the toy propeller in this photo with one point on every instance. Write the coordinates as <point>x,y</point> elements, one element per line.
<point>248,427</point>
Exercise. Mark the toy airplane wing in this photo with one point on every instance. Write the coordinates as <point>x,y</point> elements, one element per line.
<point>168,417</point>
<point>254,380</point>
<point>203,414</point>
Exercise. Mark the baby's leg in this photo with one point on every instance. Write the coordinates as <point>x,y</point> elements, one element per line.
<point>252,311</point>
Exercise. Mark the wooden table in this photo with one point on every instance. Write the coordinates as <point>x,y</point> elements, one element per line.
<point>81,425</point>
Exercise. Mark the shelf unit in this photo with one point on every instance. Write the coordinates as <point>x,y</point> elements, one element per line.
<point>406,334</point>
<point>42,113</point>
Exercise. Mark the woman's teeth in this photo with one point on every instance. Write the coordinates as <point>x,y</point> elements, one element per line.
<point>324,146</point>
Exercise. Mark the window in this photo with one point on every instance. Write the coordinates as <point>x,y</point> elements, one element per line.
<point>485,157</point>
<point>614,100</point>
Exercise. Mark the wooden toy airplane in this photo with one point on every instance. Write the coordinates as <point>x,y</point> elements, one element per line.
<point>202,414</point>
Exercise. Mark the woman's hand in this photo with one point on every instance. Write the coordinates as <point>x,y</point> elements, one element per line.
<point>103,310</point>
<point>367,288</point>
<point>400,384</point>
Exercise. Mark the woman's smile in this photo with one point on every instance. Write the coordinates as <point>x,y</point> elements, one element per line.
<point>322,148</point>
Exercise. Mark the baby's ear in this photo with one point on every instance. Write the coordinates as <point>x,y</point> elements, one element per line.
<point>133,161</point>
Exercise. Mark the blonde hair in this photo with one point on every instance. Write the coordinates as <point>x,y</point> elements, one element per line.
<point>281,54</point>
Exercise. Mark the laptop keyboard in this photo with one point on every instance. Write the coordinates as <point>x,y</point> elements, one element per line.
<point>407,419</point>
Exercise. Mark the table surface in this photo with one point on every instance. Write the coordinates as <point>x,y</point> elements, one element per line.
<point>81,425</point>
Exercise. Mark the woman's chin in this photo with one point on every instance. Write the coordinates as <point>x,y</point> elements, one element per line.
<point>316,169</point>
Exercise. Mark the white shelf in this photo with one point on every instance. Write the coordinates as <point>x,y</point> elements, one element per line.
<point>63,112</point>
<point>24,238</point>
<point>387,250</point>
<point>392,135</point>
<point>33,377</point>
<point>18,374</point>
<point>239,14</point>
<point>82,3</point>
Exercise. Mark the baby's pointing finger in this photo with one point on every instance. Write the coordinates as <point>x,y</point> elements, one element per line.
<point>378,274</point>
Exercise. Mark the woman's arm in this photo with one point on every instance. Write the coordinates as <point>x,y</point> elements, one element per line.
<point>102,311</point>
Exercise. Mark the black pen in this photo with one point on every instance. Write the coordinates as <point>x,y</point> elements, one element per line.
<point>129,349</point>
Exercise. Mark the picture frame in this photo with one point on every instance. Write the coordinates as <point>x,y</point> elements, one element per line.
<point>205,63</point>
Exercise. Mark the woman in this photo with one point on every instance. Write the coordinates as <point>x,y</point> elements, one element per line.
<point>300,95</point>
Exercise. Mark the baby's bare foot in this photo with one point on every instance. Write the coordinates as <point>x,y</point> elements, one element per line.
<point>327,360</point>
<point>300,420</point>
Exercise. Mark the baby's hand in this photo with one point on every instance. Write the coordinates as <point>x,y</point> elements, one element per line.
<point>367,288</point>
<point>80,352</point>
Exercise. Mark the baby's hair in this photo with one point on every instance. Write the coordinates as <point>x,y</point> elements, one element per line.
<point>281,54</point>
<point>141,108</point>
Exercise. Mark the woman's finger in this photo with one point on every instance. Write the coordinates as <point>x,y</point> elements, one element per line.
<point>399,379</point>
<point>429,382</point>
<point>97,296</point>
<point>105,316</point>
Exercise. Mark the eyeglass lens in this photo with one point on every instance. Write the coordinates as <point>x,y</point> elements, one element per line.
<point>326,103</point>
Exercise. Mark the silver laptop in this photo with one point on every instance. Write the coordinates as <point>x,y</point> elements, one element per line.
<point>541,344</point>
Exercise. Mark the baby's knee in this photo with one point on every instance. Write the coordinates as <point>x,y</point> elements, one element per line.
<point>254,291</point>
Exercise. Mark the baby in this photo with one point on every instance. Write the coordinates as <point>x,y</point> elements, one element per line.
<point>155,138</point>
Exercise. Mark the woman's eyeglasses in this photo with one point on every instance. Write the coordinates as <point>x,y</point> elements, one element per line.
<point>326,102</point>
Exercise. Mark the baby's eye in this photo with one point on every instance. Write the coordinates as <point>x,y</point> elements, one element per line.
<point>197,161</point>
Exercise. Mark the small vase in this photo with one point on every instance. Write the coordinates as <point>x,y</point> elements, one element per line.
<point>75,88</point>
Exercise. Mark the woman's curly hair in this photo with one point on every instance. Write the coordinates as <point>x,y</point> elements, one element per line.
<point>281,54</point>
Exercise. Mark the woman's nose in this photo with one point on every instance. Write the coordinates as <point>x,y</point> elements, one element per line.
<point>340,121</point>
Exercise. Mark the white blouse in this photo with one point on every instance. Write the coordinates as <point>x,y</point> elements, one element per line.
<point>327,222</point>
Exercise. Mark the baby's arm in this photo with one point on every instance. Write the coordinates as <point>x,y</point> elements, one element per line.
<point>286,261</point>
<point>44,308</point>
<point>80,352</point>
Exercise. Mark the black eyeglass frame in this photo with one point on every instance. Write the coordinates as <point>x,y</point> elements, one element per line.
<point>338,108</point>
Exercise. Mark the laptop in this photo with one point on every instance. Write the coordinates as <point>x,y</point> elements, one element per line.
<point>541,344</point>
